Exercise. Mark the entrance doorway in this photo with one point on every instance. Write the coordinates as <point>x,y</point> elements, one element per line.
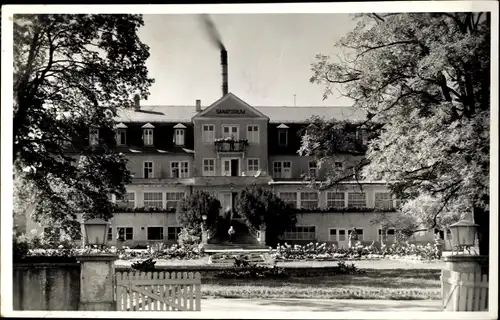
<point>231,167</point>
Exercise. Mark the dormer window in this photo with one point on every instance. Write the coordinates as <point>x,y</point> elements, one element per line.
<point>147,134</point>
<point>179,134</point>
<point>282,135</point>
<point>121,134</point>
<point>93,136</point>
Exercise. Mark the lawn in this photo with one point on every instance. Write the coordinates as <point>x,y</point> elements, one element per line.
<point>393,284</point>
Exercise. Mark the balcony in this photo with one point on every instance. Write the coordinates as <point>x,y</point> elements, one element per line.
<point>228,145</point>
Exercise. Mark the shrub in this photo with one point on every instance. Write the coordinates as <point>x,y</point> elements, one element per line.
<point>344,268</point>
<point>190,211</point>
<point>145,266</point>
<point>188,237</point>
<point>243,269</point>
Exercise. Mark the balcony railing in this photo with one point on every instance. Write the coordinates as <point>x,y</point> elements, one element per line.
<point>230,145</point>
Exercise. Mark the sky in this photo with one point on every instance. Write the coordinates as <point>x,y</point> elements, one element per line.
<point>269,57</point>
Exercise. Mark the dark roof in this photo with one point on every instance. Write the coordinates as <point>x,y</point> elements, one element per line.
<point>285,114</point>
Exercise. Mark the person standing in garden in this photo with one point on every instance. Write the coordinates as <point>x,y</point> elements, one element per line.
<point>231,232</point>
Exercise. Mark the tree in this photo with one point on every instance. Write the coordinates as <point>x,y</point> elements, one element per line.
<point>190,211</point>
<point>260,207</point>
<point>72,72</point>
<point>423,80</point>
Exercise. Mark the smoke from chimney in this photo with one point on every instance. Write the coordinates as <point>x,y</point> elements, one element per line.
<point>217,40</point>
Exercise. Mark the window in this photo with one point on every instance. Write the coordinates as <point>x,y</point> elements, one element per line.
<point>439,234</point>
<point>309,200</point>
<point>148,169</point>
<point>289,197</point>
<point>173,199</point>
<point>155,233</point>
<point>397,203</point>
<point>179,169</point>
<point>390,235</point>
<point>313,169</point>
<point>252,166</point>
<point>339,165</point>
<point>78,236</point>
<point>359,232</point>
<point>121,137</point>
<point>342,235</point>
<point>253,134</point>
<point>125,233</point>
<point>332,236</point>
<point>110,233</point>
<point>208,133</point>
<point>356,200</point>
<point>300,233</point>
<point>383,200</point>
<point>282,169</point>
<point>179,137</point>
<point>153,200</point>
<point>230,132</point>
<point>209,167</point>
<point>93,136</point>
<point>148,137</point>
<point>335,199</point>
<point>173,232</point>
<point>128,201</point>
<point>282,137</point>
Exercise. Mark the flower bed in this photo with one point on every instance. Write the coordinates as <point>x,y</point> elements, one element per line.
<point>324,252</point>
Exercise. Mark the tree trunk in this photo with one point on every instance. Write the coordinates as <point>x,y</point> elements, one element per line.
<point>482,218</point>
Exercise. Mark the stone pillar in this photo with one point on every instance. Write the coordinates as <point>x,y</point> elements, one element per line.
<point>204,236</point>
<point>97,284</point>
<point>466,263</point>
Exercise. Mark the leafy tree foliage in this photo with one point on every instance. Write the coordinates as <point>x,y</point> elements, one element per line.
<point>72,72</point>
<point>191,210</point>
<point>261,208</point>
<point>423,80</point>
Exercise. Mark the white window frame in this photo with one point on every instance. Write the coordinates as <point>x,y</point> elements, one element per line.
<point>223,168</point>
<point>155,226</point>
<point>330,235</point>
<point>286,137</point>
<point>341,167</point>
<point>177,233</point>
<point>144,168</point>
<point>387,201</point>
<point>333,200</point>
<point>294,235</point>
<point>360,236</point>
<point>253,172</point>
<point>208,173</point>
<point>310,169</point>
<point>93,136</point>
<point>156,200</point>
<point>252,137</point>
<point>345,235</point>
<point>387,235</point>
<point>148,136</point>
<point>208,138</point>
<point>302,201</point>
<point>280,195</point>
<point>356,206</point>
<point>177,193</point>
<point>125,232</point>
<point>230,126</point>
<point>130,203</point>
<point>180,137</point>
<point>184,169</point>
<point>118,137</point>
<point>109,234</point>
<point>282,167</point>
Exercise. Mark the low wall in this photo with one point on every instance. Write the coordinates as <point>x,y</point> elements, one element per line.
<point>46,286</point>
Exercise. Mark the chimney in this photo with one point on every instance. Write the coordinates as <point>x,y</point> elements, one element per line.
<point>223,62</point>
<point>198,105</point>
<point>137,102</point>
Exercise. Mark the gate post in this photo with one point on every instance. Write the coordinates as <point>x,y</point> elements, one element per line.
<point>465,263</point>
<point>97,283</point>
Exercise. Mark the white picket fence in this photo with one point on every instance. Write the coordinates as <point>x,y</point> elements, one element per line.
<point>464,291</point>
<point>158,291</point>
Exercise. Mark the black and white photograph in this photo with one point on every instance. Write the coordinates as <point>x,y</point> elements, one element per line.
<point>303,160</point>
